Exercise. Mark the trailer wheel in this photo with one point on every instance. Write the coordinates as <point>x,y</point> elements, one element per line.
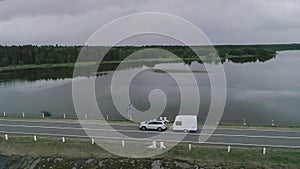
<point>185,130</point>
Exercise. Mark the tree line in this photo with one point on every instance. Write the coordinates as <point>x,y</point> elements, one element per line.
<point>30,54</point>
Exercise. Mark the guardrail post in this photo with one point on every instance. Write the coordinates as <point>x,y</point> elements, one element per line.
<point>93,141</point>
<point>63,139</point>
<point>190,146</point>
<point>34,138</point>
<point>264,150</point>
<point>4,113</point>
<point>217,122</point>
<point>165,119</point>
<point>43,115</point>
<point>228,149</point>
<point>162,145</point>
<point>6,136</point>
<point>85,116</point>
<point>273,123</point>
<point>123,143</point>
<point>64,116</point>
<point>244,122</point>
<point>130,117</point>
<point>153,145</point>
<point>23,114</point>
<point>106,117</point>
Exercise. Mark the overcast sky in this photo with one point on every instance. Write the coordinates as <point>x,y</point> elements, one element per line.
<point>68,22</point>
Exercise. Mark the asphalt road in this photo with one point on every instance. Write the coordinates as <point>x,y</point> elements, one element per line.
<point>222,136</point>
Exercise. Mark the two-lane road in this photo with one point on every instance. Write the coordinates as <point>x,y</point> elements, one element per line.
<point>228,136</point>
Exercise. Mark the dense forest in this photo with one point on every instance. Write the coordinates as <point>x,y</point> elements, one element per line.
<point>29,54</point>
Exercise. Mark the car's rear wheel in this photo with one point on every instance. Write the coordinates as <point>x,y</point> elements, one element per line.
<point>143,128</point>
<point>159,129</point>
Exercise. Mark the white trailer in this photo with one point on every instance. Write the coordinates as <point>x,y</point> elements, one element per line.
<point>185,123</point>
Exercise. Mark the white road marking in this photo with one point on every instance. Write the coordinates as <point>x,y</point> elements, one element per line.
<point>261,130</point>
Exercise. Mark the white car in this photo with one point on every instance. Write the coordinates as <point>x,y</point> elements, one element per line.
<point>158,125</point>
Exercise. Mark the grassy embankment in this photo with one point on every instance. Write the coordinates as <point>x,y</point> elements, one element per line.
<point>58,65</point>
<point>200,154</point>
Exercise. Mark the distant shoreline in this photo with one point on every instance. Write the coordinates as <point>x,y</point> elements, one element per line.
<point>32,56</point>
<point>82,64</point>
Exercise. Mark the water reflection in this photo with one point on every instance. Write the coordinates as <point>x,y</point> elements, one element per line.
<point>57,73</point>
<point>257,91</point>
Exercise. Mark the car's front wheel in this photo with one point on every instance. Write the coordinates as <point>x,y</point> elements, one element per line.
<point>159,129</point>
<point>143,128</point>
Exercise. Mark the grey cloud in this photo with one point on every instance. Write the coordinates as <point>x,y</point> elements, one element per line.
<point>224,21</point>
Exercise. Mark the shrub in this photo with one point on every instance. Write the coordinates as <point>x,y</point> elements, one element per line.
<point>46,113</point>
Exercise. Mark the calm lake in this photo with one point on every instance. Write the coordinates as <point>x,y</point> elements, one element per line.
<point>258,92</point>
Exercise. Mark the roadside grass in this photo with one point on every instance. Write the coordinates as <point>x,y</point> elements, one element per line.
<point>204,155</point>
<point>51,147</point>
<point>37,118</point>
<point>239,156</point>
<point>61,119</point>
